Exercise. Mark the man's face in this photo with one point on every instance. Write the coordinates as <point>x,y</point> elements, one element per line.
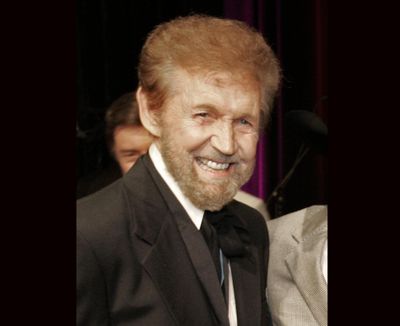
<point>209,134</point>
<point>130,142</point>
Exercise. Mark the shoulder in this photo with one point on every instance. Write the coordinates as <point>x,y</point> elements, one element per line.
<point>109,206</point>
<point>100,202</point>
<point>295,222</point>
<point>102,214</point>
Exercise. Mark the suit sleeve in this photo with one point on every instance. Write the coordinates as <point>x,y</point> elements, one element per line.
<point>91,291</point>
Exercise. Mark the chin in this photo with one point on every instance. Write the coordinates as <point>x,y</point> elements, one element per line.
<point>212,196</point>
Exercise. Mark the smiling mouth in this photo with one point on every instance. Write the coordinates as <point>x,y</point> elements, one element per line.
<point>212,166</point>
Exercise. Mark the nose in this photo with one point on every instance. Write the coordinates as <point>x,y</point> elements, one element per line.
<point>223,138</point>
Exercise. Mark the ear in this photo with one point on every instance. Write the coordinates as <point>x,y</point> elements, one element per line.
<point>147,117</point>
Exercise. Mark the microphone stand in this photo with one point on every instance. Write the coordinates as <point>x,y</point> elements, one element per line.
<point>277,194</point>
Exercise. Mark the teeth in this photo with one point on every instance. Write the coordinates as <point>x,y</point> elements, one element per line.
<point>217,166</point>
<point>214,165</point>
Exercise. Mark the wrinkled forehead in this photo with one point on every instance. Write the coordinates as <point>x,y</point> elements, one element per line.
<point>184,78</point>
<point>224,93</point>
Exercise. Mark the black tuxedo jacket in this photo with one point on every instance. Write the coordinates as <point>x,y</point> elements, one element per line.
<point>142,261</point>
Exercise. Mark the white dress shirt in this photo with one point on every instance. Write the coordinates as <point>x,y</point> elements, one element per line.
<point>195,214</point>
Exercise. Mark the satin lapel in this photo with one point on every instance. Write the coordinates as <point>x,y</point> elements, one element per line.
<point>192,247</point>
<point>164,264</point>
<point>304,264</point>
<point>204,267</point>
<point>246,283</point>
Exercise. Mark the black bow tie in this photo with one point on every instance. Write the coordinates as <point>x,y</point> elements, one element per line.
<point>231,232</point>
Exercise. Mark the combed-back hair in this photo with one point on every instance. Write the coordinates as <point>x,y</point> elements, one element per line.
<point>204,44</point>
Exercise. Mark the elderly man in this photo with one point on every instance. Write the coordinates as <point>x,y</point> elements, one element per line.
<point>167,244</point>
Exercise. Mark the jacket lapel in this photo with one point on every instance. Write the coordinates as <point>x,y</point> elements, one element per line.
<point>177,247</point>
<point>204,266</point>
<point>304,264</point>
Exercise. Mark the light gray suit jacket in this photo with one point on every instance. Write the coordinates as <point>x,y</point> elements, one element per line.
<point>297,291</point>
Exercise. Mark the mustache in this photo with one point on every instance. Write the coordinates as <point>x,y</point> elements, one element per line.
<point>216,156</point>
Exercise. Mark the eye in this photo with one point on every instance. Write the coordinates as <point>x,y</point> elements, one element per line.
<point>244,122</point>
<point>245,125</point>
<point>130,154</point>
<point>203,117</point>
<point>202,114</point>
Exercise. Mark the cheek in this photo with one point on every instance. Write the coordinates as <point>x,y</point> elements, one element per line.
<point>125,166</point>
<point>191,136</point>
<point>248,147</point>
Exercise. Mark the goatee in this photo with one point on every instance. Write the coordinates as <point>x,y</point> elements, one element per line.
<point>211,195</point>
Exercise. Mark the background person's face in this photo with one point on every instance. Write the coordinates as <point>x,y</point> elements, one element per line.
<point>130,142</point>
<point>209,134</point>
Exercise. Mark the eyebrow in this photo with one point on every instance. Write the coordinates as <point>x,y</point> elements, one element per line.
<point>206,106</point>
<point>213,108</point>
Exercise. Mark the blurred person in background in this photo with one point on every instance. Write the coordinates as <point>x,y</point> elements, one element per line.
<point>126,139</point>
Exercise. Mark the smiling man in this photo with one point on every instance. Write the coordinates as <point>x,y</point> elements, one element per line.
<point>207,135</point>
<point>167,244</point>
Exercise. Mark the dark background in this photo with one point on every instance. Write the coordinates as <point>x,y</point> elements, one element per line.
<point>110,35</point>
<point>39,115</point>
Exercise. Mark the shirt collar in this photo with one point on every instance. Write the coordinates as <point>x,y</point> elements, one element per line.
<point>195,214</point>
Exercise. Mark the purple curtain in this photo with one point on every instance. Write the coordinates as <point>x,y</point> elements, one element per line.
<point>321,90</point>
<point>253,12</point>
<point>297,33</point>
